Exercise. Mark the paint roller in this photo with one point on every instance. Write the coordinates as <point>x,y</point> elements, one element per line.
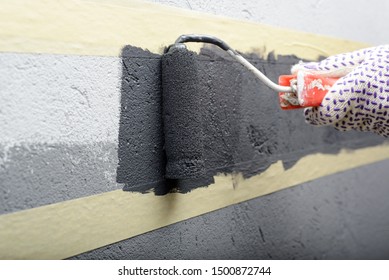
<point>183,127</point>
<point>183,131</point>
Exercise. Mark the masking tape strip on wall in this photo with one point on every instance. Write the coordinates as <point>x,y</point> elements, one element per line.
<point>102,28</point>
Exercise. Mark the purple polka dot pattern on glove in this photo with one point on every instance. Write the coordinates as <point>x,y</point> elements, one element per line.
<point>360,99</point>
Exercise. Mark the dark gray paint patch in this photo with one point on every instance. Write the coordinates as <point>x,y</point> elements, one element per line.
<point>343,216</point>
<point>140,153</point>
<point>244,130</point>
<point>37,175</point>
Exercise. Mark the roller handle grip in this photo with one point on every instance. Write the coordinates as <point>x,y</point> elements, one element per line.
<point>311,90</point>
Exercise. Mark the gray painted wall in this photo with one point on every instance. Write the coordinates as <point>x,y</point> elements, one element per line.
<point>59,123</point>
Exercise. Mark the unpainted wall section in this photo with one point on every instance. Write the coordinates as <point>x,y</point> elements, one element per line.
<point>356,20</point>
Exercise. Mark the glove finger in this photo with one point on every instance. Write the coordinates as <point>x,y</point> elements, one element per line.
<point>334,66</point>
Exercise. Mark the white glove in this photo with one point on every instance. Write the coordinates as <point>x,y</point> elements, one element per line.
<point>359,100</point>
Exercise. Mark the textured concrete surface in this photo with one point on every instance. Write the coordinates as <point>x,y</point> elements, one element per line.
<point>347,19</point>
<point>59,99</point>
<point>38,174</point>
<point>60,116</point>
<point>343,216</point>
<point>59,128</point>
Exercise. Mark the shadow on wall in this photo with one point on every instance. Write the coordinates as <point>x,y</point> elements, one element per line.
<point>244,130</point>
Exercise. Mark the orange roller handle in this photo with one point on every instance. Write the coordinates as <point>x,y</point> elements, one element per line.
<point>310,92</point>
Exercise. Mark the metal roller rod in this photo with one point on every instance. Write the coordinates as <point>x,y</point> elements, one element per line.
<point>224,46</point>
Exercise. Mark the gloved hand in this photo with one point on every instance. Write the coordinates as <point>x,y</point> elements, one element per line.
<point>359,100</point>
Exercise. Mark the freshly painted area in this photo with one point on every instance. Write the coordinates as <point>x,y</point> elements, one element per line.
<point>192,116</point>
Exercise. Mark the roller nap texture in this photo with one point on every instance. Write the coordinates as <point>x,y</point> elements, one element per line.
<point>182,116</point>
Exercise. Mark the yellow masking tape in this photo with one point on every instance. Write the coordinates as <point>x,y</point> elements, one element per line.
<point>104,27</point>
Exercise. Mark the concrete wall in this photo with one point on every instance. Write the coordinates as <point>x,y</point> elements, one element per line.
<point>354,20</point>
<point>63,126</point>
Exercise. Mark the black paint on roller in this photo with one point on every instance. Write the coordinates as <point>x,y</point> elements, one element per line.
<point>182,114</point>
